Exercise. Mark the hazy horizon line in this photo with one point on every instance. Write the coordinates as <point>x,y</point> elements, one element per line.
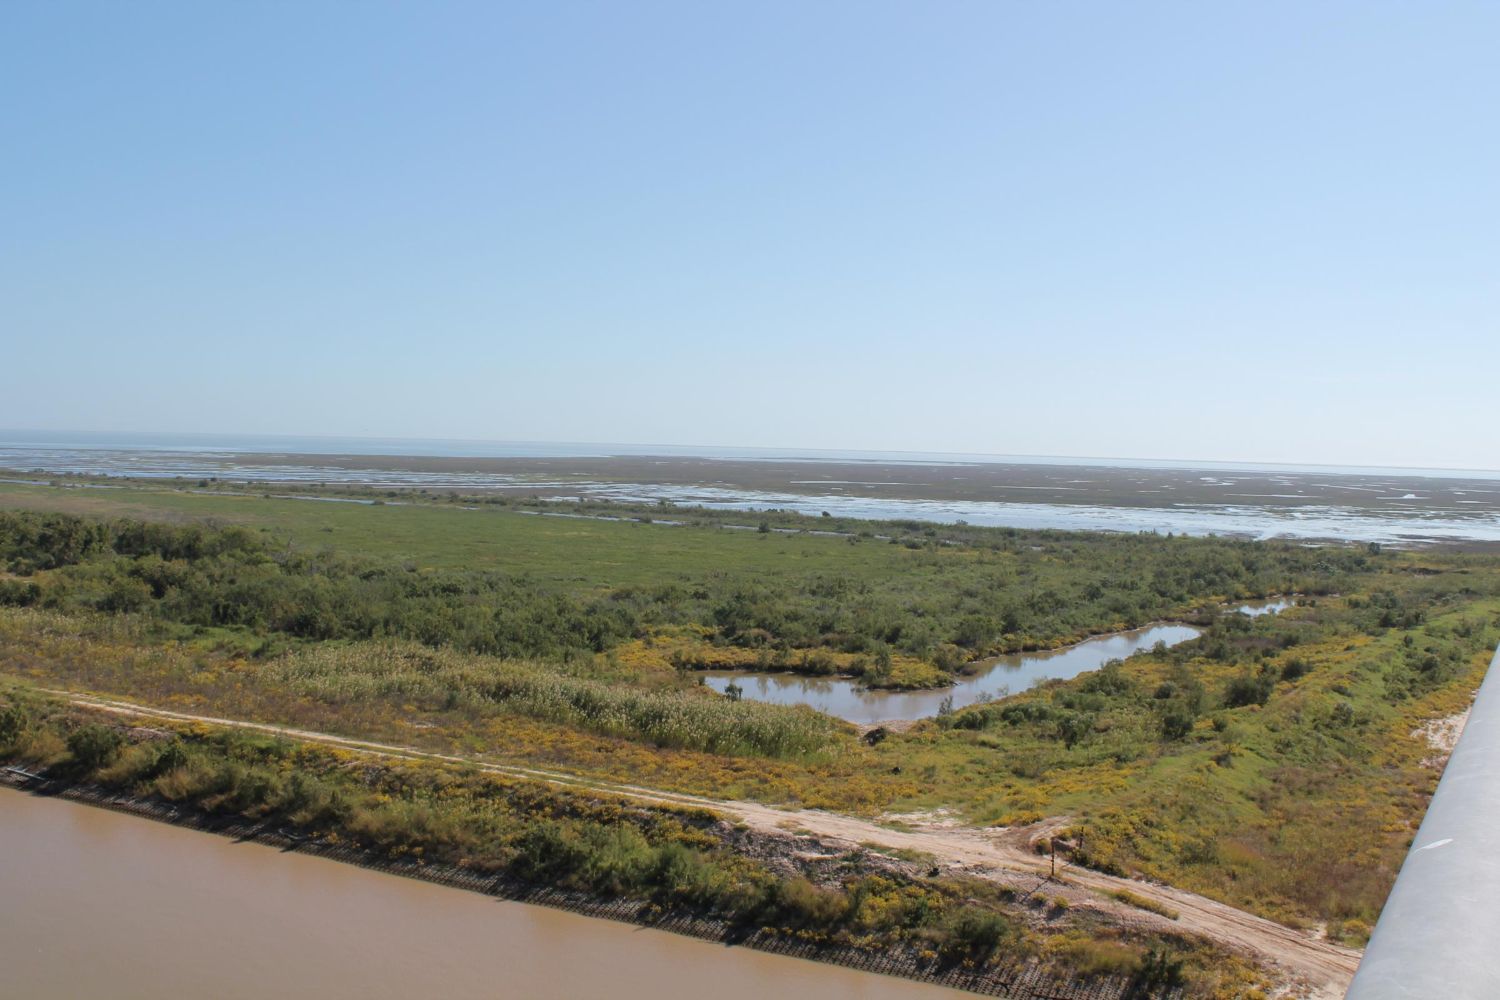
<point>788,451</point>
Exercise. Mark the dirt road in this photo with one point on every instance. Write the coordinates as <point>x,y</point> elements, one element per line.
<point>1314,968</point>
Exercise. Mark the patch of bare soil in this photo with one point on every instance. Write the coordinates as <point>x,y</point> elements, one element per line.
<point>1442,736</point>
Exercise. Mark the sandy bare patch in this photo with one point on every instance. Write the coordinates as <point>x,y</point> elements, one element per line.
<point>925,819</point>
<point>890,725</point>
<point>1441,735</point>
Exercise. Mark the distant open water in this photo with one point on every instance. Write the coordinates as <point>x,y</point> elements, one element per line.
<point>205,456</point>
<point>16,443</point>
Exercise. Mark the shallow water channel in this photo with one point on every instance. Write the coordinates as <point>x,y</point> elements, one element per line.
<point>992,678</point>
<point>98,904</point>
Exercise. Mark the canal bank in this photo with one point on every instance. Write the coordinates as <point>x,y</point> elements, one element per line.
<point>99,902</point>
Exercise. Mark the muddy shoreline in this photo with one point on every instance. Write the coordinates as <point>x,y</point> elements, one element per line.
<point>1021,981</point>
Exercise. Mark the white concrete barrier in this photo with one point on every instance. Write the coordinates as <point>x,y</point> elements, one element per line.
<point>1438,937</point>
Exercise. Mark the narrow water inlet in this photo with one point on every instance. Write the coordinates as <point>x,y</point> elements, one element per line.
<point>985,680</point>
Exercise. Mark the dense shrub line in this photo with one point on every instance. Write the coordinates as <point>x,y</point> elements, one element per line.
<point>225,576</point>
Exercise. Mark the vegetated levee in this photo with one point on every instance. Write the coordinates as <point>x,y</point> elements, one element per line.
<point>680,870</point>
<point>1268,764</point>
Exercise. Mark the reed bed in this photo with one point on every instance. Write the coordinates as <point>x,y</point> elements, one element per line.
<point>444,679</point>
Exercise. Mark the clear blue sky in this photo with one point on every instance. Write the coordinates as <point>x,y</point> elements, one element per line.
<point>1241,231</point>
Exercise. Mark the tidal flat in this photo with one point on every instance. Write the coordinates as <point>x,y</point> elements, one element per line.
<point>1389,506</point>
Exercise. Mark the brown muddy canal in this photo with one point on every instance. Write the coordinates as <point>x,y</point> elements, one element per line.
<point>95,903</point>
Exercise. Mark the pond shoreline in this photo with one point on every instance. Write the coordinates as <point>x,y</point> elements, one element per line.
<point>1011,980</point>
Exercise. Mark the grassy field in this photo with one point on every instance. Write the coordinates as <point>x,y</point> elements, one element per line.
<point>564,552</point>
<point>1274,763</point>
<point>553,552</point>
